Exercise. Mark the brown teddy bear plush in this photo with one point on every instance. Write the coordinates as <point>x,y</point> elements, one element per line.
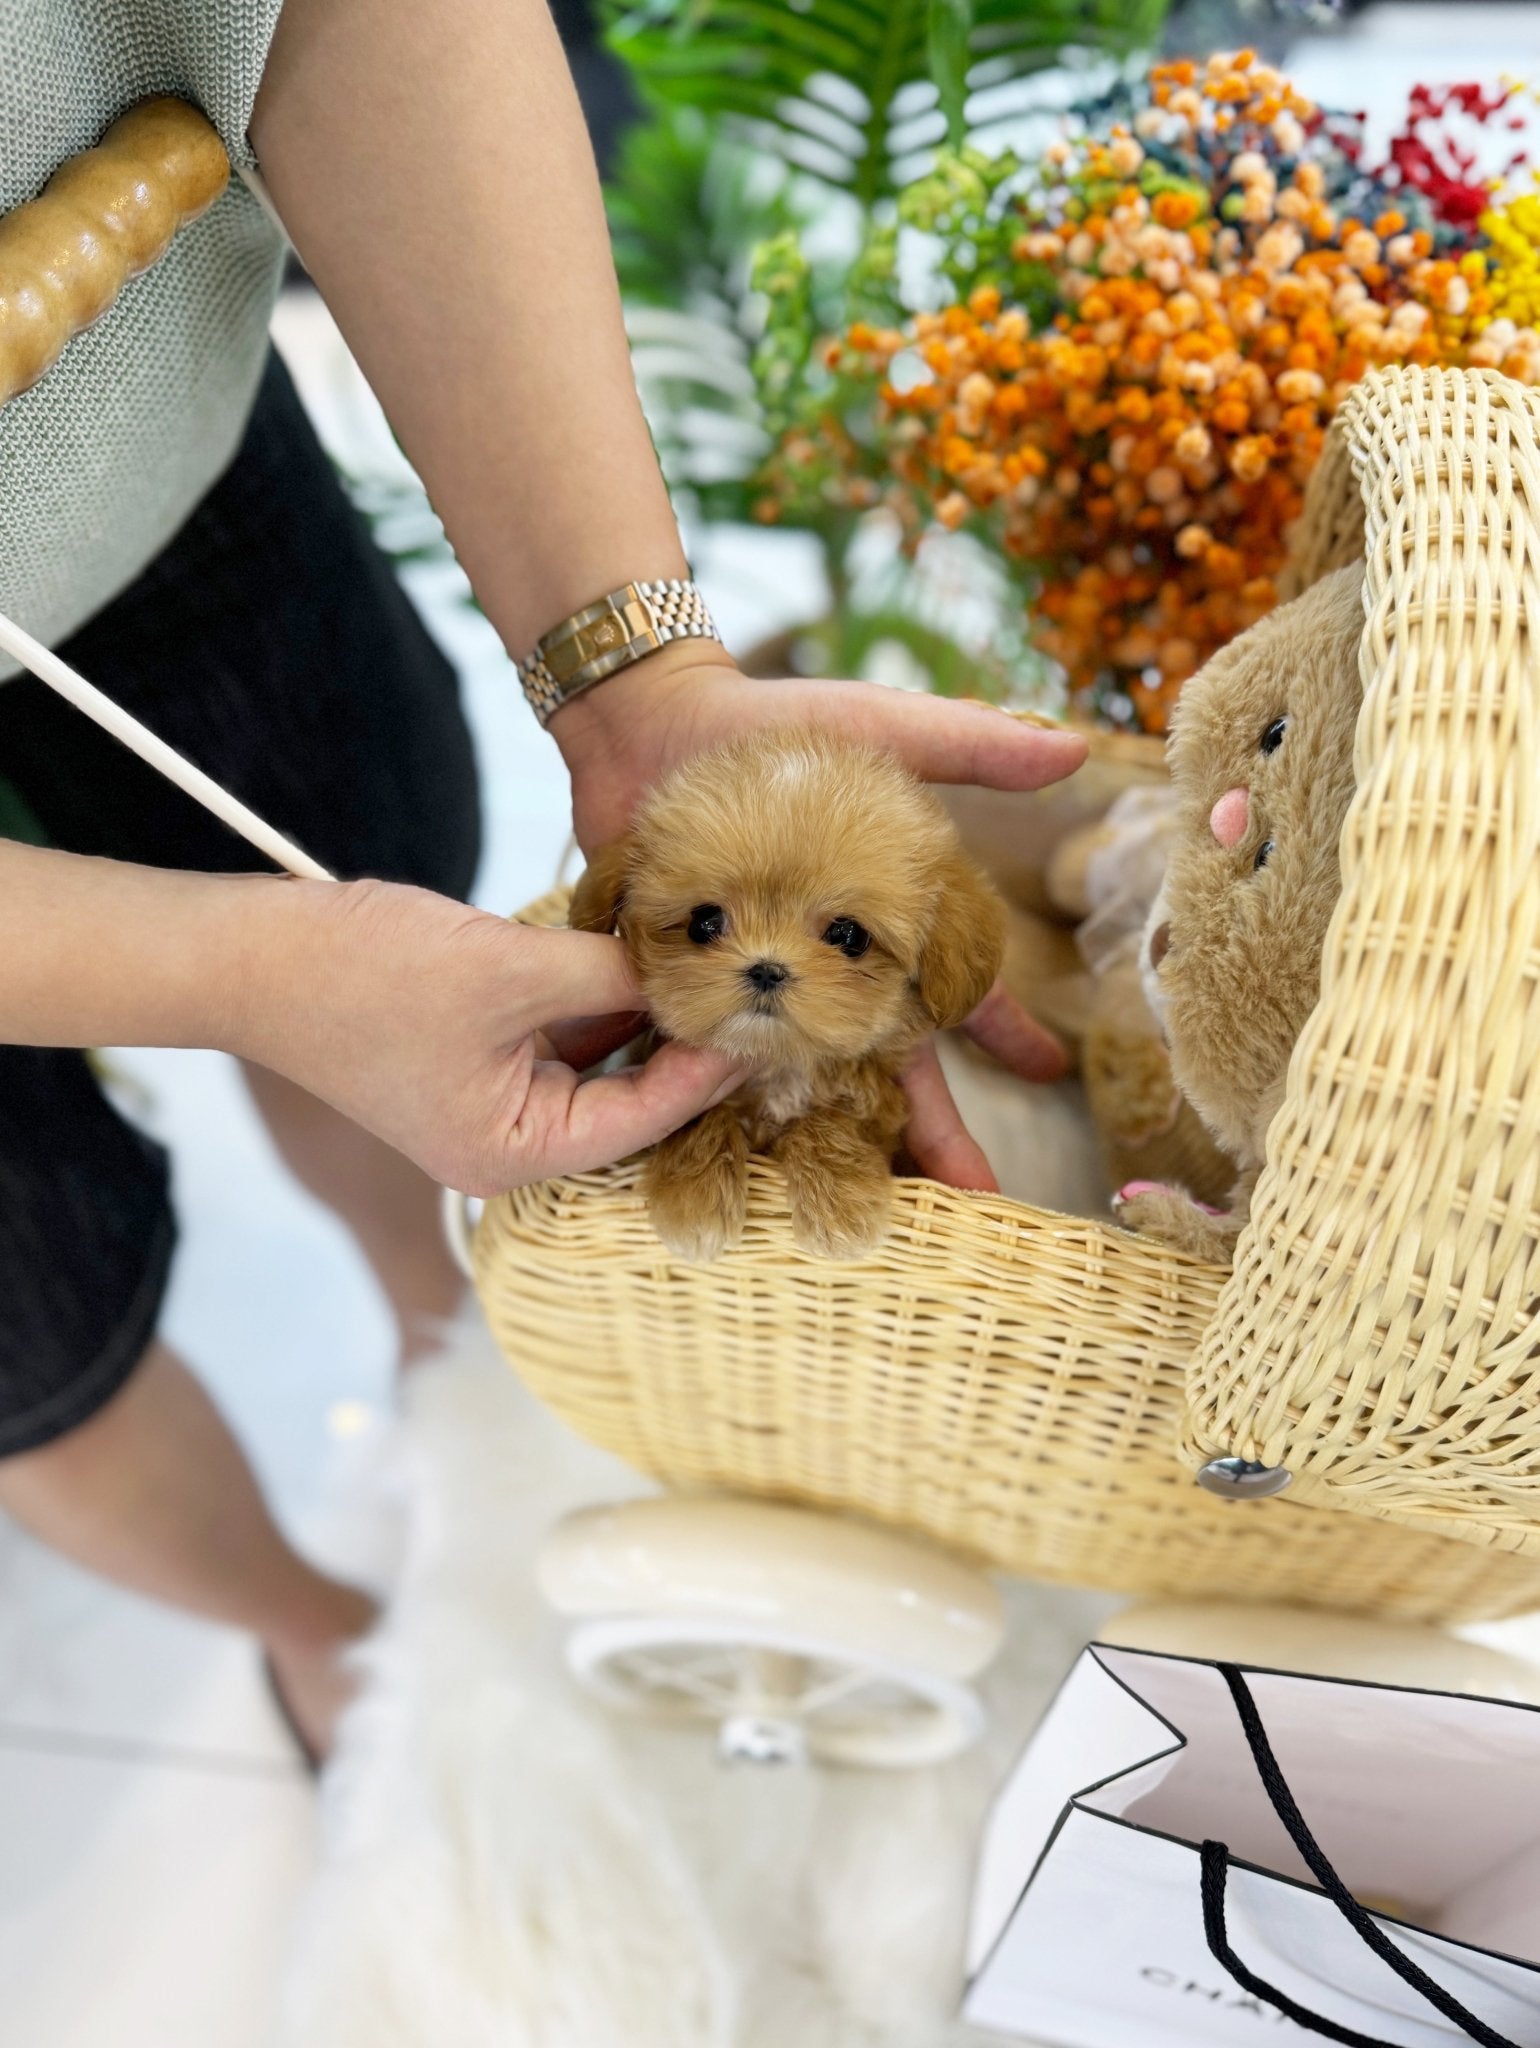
<point>1262,762</point>
<point>1146,1128</point>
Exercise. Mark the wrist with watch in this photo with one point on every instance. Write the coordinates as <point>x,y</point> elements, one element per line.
<point>618,629</point>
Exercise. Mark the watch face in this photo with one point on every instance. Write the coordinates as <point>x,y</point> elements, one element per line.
<point>607,635</point>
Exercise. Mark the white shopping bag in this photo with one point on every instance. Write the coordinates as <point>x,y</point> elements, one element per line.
<point>1101,1920</point>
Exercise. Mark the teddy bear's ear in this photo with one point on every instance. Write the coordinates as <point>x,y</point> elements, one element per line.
<point>600,889</point>
<point>965,944</point>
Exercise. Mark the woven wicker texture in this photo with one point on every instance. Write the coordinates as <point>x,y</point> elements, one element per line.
<point>1381,1332</point>
<point>1330,532</point>
<point>1003,1379</point>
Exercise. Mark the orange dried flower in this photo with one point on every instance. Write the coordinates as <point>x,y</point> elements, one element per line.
<point>1147,448</point>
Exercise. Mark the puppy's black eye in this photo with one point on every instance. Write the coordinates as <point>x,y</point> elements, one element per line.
<point>1264,854</point>
<point>851,938</point>
<point>1272,739</point>
<point>708,921</point>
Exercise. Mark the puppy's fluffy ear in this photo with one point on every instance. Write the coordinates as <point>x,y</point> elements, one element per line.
<point>600,890</point>
<point>965,944</point>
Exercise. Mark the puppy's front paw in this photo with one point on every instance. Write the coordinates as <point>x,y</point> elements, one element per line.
<point>696,1185</point>
<point>1174,1218</point>
<point>697,1221</point>
<point>840,1219</point>
<point>839,1184</point>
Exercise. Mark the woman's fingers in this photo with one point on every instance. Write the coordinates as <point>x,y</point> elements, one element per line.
<point>568,1125</point>
<point>583,1041</point>
<point>945,740</point>
<point>571,975</point>
<point>935,1136</point>
<point>1002,1027</point>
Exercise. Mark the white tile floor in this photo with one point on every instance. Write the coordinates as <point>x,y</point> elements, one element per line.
<point>153,1828</point>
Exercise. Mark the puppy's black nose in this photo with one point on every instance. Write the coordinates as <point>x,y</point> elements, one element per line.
<point>1160,943</point>
<point>766,976</point>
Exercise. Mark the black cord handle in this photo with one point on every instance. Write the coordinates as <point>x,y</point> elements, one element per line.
<point>1216,1868</point>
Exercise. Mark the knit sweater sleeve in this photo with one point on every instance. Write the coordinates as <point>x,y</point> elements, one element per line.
<point>217,49</point>
<point>67,67</point>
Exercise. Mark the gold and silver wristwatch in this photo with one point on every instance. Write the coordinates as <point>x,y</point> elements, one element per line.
<point>621,628</point>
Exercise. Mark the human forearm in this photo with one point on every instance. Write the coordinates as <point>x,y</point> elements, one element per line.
<point>431,163</point>
<point>429,159</point>
<point>100,952</point>
<point>414,1016</point>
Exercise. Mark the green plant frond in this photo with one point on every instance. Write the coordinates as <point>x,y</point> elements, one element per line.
<point>737,259</point>
<point>749,35</point>
<point>847,643</point>
<point>758,63</point>
<point>685,215</point>
<point>950,27</point>
<point>1111,25</point>
<point>663,244</point>
<point>720,354</point>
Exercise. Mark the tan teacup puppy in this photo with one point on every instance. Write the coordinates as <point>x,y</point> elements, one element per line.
<point>1262,761</point>
<point>804,907</point>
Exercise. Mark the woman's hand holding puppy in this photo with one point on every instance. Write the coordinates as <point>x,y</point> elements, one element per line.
<point>623,736</point>
<point>458,1038</point>
<point>451,1034</point>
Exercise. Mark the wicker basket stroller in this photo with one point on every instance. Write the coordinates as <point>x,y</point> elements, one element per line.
<point>1019,1386</point>
<point>1032,1390</point>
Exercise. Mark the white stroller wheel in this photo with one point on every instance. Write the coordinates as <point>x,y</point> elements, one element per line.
<point>772,1697</point>
<point>795,1633</point>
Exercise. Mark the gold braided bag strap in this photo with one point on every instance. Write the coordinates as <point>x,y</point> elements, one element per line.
<point>1380,1334</point>
<point>107,215</point>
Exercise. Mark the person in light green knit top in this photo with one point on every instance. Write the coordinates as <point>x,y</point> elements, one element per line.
<point>165,515</point>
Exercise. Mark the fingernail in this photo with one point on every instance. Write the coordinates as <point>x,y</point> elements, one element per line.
<point>733,1082</point>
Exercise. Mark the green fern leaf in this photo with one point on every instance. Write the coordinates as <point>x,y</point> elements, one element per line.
<point>845,90</point>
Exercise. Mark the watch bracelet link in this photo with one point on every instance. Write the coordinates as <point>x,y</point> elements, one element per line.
<point>608,635</point>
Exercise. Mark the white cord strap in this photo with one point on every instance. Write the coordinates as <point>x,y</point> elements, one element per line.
<point>58,675</point>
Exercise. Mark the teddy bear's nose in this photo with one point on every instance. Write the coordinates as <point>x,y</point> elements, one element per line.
<point>1160,943</point>
<point>1230,817</point>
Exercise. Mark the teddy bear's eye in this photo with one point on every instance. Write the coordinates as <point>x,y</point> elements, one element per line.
<point>1272,739</point>
<point>1264,854</point>
<point>708,921</point>
<point>851,938</point>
